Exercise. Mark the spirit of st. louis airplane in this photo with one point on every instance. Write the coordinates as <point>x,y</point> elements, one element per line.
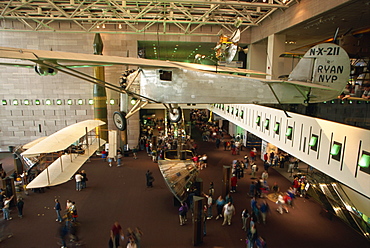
<point>320,75</point>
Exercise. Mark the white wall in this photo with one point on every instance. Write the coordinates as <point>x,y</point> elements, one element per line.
<point>354,141</point>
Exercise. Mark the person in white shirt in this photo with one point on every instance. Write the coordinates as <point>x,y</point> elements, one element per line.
<point>6,208</point>
<point>78,178</point>
<point>229,211</point>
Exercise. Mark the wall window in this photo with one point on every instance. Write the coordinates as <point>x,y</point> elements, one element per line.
<point>335,151</point>
<point>242,114</point>
<point>4,102</point>
<point>59,101</point>
<point>91,101</point>
<point>37,102</point>
<point>111,101</point>
<point>48,102</point>
<point>69,101</point>
<point>232,110</point>
<point>80,101</point>
<point>15,102</point>
<point>26,102</point>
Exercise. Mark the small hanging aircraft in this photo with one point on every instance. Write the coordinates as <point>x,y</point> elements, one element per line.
<point>320,75</point>
<point>227,46</point>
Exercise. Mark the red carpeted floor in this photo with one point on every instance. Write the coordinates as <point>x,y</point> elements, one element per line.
<point>120,194</point>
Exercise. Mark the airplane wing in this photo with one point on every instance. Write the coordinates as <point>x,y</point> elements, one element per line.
<point>56,58</point>
<point>34,142</point>
<point>63,138</point>
<point>299,83</point>
<point>213,68</point>
<point>62,169</point>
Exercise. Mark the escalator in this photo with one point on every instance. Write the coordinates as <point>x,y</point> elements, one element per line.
<point>336,202</point>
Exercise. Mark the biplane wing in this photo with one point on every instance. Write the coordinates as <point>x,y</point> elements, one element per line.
<point>63,168</point>
<point>62,139</point>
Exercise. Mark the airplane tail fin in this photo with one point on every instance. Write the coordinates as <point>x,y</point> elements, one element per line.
<point>325,64</point>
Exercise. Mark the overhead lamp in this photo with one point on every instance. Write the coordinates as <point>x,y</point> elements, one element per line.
<point>120,26</point>
<point>97,26</point>
<point>103,26</point>
<point>364,161</point>
<point>267,121</point>
<point>276,128</point>
<point>313,141</point>
<point>133,101</point>
<point>289,132</point>
<point>335,149</point>
<point>258,120</point>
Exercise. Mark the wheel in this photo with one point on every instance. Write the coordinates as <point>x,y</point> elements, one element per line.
<point>119,119</point>
<point>176,114</point>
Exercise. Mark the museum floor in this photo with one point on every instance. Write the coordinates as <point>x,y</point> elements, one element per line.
<point>120,194</point>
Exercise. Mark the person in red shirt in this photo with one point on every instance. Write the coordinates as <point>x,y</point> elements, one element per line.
<point>115,234</point>
<point>295,185</point>
<point>233,181</point>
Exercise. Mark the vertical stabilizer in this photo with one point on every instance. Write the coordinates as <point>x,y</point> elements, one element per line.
<point>325,64</point>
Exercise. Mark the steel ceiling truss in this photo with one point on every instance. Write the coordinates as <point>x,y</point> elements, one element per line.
<point>165,17</point>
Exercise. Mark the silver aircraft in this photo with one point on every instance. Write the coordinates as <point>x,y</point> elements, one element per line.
<point>320,75</point>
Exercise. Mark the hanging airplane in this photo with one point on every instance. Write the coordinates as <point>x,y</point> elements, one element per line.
<point>320,75</point>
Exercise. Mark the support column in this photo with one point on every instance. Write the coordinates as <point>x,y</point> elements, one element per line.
<point>123,134</point>
<point>198,221</point>
<point>100,96</point>
<point>226,180</point>
<point>256,56</point>
<point>275,64</point>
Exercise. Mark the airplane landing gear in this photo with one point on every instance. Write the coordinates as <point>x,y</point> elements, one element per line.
<point>119,119</point>
<point>174,114</point>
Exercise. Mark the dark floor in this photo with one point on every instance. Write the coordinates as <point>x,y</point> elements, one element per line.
<point>121,194</point>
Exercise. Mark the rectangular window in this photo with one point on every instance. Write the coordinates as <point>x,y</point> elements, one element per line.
<point>165,75</point>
